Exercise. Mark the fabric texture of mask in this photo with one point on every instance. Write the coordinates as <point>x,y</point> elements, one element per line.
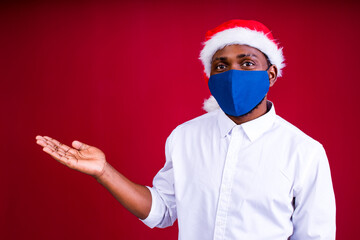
<point>238,91</point>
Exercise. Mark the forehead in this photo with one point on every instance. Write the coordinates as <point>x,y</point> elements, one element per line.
<point>235,50</point>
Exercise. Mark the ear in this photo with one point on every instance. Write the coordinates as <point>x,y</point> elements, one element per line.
<point>272,74</point>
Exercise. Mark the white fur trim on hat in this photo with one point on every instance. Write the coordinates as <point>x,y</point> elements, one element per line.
<point>242,36</point>
<point>210,104</point>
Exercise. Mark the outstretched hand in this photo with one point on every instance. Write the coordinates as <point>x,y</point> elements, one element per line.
<point>81,157</point>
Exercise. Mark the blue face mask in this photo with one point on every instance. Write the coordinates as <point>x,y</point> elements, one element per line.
<point>237,91</point>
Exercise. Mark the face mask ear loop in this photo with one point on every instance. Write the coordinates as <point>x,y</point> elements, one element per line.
<point>269,67</point>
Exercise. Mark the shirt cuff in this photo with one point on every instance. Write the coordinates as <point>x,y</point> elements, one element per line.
<point>157,210</point>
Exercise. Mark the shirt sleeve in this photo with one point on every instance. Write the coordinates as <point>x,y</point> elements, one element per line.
<point>314,213</point>
<point>163,207</point>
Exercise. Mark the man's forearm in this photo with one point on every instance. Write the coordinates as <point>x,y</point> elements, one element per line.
<point>134,197</point>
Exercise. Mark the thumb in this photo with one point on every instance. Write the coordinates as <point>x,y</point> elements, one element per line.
<point>79,145</point>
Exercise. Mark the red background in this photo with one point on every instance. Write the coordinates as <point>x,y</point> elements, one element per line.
<point>122,75</point>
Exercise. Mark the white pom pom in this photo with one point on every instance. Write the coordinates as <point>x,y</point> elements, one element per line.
<point>210,104</point>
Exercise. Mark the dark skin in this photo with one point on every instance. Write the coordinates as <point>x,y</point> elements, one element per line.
<point>243,57</point>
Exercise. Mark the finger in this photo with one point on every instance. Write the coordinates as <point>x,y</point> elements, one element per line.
<point>52,148</point>
<point>80,146</point>
<point>61,152</point>
<point>45,143</point>
<point>41,142</point>
<point>49,141</point>
<point>60,145</point>
<point>52,152</point>
<point>53,141</point>
<point>38,137</point>
<point>66,160</point>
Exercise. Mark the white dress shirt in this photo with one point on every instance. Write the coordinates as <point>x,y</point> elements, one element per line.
<point>264,179</point>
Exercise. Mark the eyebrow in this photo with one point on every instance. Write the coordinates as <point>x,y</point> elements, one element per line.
<point>238,56</point>
<point>246,55</point>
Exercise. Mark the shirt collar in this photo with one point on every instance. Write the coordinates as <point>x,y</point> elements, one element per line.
<point>225,123</point>
<point>254,128</point>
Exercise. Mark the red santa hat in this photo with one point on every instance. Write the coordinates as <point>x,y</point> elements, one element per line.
<point>243,32</point>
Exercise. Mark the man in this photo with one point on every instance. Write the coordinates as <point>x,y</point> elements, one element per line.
<point>237,172</point>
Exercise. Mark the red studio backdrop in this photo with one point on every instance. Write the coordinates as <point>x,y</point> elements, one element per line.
<point>122,75</point>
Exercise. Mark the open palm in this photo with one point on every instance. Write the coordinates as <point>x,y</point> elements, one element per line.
<point>82,157</point>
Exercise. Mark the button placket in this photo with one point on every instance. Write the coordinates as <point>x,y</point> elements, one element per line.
<point>226,183</point>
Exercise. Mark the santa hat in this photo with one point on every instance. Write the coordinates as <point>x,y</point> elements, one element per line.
<point>244,32</point>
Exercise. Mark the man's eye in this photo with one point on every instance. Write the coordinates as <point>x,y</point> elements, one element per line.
<point>220,67</point>
<point>247,64</point>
